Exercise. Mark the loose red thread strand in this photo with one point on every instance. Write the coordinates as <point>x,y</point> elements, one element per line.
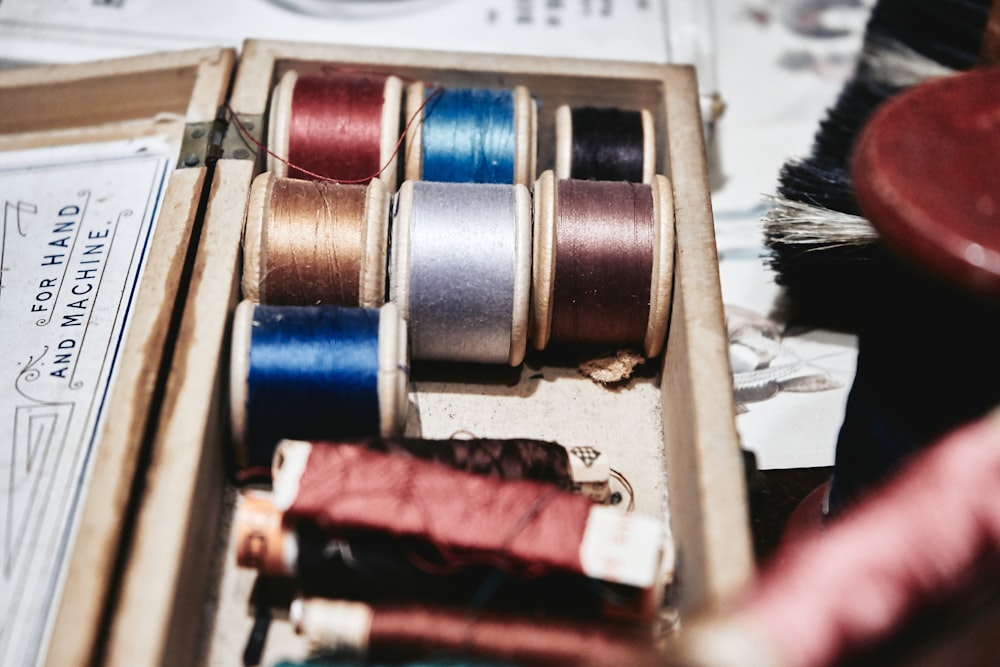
<point>435,92</point>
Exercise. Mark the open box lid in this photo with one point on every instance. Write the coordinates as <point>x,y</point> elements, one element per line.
<point>100,230</point>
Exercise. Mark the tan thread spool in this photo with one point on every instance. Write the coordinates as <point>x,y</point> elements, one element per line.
<point>353,220</point>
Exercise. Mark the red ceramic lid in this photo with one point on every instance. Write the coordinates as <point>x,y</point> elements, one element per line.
<point>926,171</point>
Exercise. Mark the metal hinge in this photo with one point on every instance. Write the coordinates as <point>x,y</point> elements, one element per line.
<point>222,138</point>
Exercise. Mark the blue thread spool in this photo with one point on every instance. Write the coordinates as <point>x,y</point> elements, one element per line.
<point>314,373</point>
<point>471,135</point>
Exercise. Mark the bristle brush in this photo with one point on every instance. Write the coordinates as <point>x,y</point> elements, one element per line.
<point>822,249</point>
<point>917,483</point>
<point>925,174</point>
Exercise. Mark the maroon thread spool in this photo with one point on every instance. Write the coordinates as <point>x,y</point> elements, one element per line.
<point>340,126</point>
<point>602,274</point>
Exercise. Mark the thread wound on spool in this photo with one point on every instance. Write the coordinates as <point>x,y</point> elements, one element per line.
<point>607,145</point>
<point>461,270</point>
<point>603,259</point>
<point>523,527</point>
<point>396,630</point>
<point>376,566</point>
<point>309,373</point>
<point>313,243</point>
<point>468,136</point>
<point>339,126</point>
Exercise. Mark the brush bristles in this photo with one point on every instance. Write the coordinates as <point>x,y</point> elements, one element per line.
<point>816,237</point>
<point>792,222</point>
<point>897,65</point>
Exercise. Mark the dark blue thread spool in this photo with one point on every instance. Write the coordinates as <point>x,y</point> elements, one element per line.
<point>314,373</point>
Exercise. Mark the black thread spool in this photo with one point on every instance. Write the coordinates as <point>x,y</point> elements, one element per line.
<point>605,144</point>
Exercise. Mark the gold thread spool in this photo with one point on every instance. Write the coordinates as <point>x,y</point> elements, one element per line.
<point>355,220</point>
<point>280,117</point>
<point>544,266</point>
<point>564,144</point>
<point>525,134</point>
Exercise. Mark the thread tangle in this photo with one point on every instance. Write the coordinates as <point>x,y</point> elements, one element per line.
<point>603,263</point>
<point>469,136</point>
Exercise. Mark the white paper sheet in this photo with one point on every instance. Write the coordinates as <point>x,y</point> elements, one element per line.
<point>76,225</point>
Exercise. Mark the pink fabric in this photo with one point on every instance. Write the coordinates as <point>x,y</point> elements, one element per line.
<point>918,540</point>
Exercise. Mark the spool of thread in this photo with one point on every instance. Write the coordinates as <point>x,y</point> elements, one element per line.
<point>521,527</point>
<point>460,270</point>
<point>605,144</point>
<point>603,263</point>
<point>582,469</point>
<point>309,243</point>
<point>470,135</point>
<point>409,631</point>
<point>341,126</point>
<point>378,567</point>
<point>314,372</point>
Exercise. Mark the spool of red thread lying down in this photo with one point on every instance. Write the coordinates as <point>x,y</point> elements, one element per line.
<point>523,528</point>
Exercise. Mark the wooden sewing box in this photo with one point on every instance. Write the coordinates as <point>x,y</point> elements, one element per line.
<point>146,575</point>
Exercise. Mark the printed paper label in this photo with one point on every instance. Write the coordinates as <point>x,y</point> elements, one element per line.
<point>622,548</point>
<point>76,227</point>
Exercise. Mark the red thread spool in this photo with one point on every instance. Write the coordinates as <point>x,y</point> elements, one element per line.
<point>341,126</point>
<point>603,263</point>
<point>400,631</point>
<point>525,528</point>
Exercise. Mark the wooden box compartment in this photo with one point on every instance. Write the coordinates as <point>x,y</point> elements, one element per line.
<point>176,596</point>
